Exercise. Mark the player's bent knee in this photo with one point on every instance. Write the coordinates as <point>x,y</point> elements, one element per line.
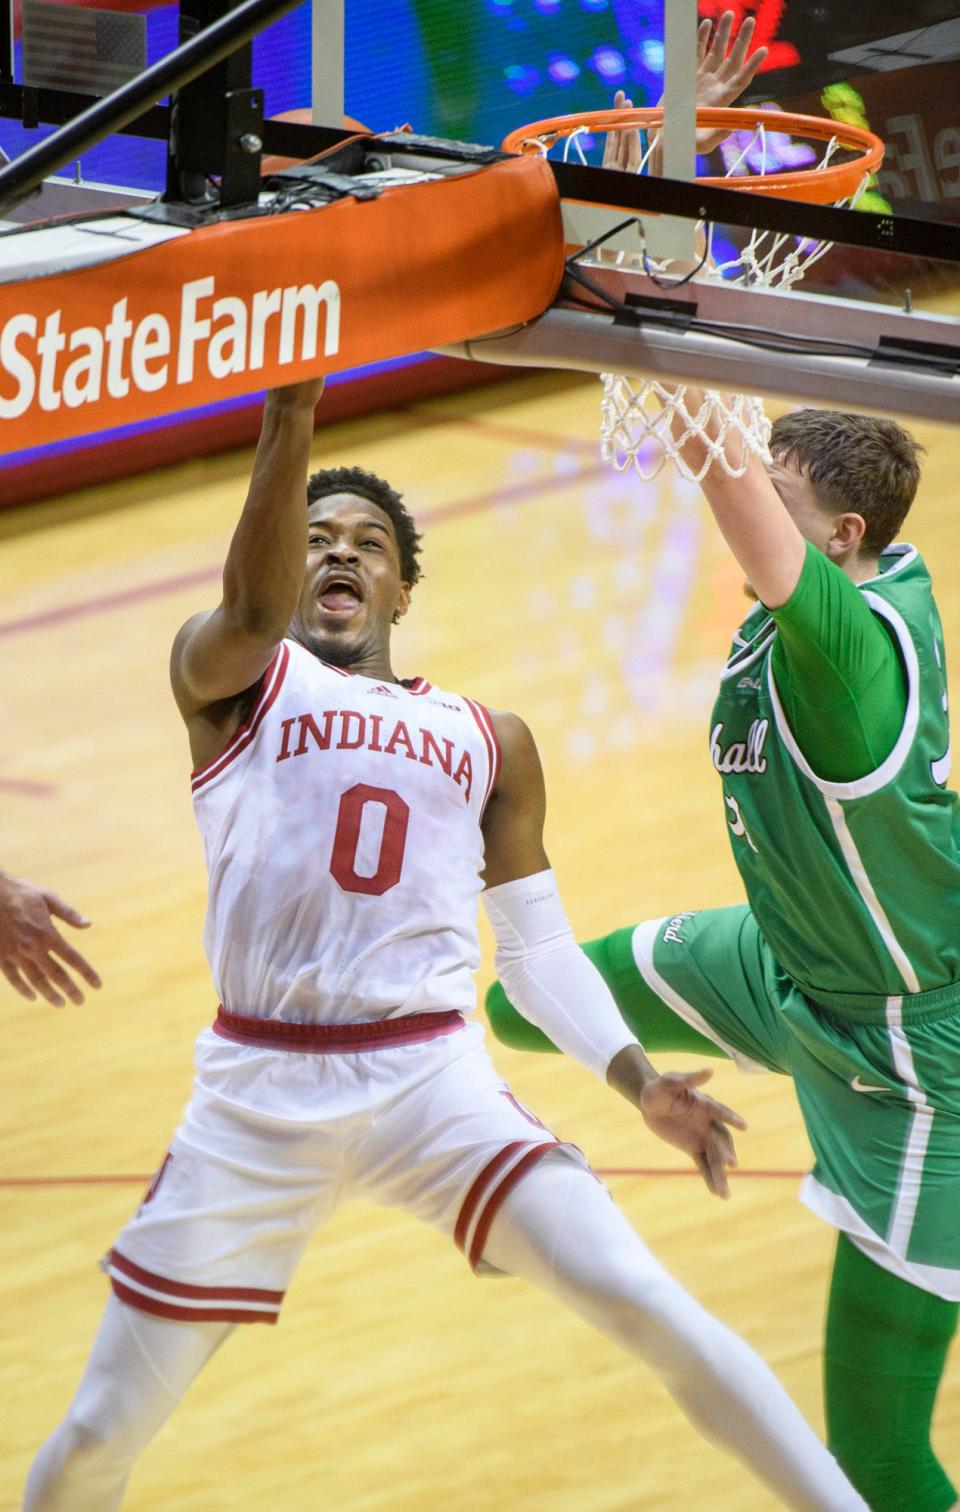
<point>89,1445</point>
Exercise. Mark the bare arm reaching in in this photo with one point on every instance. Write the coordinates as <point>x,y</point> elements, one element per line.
<point>33,953</point>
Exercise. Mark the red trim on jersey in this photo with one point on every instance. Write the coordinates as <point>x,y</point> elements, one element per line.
<point>494,753</point>
<point>342,671</point>
<point>270,685</point>
<point>182,1289</point>
<point>417,685</point>
<point>187,1314</point>
<point>159,1174</point>
<point>474,1196</point>
<point>495,1200</point>
<point>335,1039</point>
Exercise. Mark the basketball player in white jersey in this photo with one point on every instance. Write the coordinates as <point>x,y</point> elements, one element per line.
<point>350,821</point>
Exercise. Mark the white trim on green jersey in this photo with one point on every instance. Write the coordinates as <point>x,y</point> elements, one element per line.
<point>940,1280</point>
<point>910,1177</point>
<point>643,940</point>
<point>901,549</point>
<point>888,769</point>
<point>834,793</point>
<point>750,650</point>
<point>861,880</point>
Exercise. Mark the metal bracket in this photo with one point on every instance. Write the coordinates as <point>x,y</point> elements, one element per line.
<point>243,147</point>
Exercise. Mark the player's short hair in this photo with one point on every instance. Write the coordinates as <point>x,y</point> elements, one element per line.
<point>855,462</point>
<point>354,480</point>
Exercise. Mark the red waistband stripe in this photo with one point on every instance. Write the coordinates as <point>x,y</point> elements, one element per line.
<point>335,1039</point>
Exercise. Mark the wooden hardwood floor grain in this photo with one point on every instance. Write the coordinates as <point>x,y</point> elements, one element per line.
<point>599,608</point>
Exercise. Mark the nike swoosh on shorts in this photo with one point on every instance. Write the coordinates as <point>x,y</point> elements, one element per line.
<point>859,1086</point>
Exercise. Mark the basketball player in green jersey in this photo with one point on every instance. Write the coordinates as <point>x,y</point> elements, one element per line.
<point>830,735</point>
<point>831,739</point>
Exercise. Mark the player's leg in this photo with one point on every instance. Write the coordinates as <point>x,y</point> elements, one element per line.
<point>138,1370</point>
<point>559,1229</point>
<point>882,1113</point>
<point>698,983</point>
<point>250,1175</point>
<point>653,1022</point>
<point>884,1355</point>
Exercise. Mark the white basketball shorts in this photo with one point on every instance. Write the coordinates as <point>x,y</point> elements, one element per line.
<point>286,1121</point>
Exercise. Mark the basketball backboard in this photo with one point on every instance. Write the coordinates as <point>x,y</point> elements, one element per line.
<point>874,325</point>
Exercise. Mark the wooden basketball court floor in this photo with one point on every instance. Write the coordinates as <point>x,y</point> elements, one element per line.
<point>598,607</point>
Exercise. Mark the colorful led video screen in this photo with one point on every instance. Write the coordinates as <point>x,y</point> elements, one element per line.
<point>476,70</point>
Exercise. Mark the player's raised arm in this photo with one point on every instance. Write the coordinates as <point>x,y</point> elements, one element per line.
<point>218,655</point>
<point>753,519</point>
<point>748,510</point>
<point>553,984</point>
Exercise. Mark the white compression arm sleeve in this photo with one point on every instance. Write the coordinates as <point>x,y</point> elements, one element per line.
<point>546,975</point>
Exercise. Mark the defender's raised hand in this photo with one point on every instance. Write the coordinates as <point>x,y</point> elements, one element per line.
<point>723,73</point>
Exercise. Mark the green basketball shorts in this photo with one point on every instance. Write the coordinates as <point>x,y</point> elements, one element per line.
<point>880,1101</point>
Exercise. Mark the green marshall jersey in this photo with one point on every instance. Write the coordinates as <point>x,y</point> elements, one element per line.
<point>855,884</point>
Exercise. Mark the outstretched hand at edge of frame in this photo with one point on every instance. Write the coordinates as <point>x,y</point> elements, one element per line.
<point>30,943</point>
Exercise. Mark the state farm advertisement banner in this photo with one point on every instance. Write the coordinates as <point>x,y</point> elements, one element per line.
<point>244,305</point>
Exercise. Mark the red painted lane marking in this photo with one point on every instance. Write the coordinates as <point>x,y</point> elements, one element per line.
<point>45,1181</point>
<point>82,608</point>
<point>516,493</point>
<point>692,1171</point>
<point>25,789</point>
<point>143,1180</point>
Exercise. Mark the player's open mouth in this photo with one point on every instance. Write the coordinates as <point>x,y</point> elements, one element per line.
<point>340,595</point>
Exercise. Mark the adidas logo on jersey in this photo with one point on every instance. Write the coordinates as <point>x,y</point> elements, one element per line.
<point>383,690</point>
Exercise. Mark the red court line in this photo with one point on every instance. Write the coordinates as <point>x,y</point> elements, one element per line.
<point>516,493</point>
<point>692,1171</point>
<point>26,789</point>
<point>142,1180</point>
<point>82,608</point>
<point>48,1181</point>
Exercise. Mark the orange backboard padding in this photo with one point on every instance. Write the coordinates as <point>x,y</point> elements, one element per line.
<point>240,306</point>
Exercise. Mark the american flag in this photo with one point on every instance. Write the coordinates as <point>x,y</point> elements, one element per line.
<point>79,48</point>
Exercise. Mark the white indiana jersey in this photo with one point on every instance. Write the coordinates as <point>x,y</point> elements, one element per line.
<point>341,828</point>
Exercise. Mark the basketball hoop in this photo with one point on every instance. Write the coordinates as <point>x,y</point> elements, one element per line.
<point>769,152</point>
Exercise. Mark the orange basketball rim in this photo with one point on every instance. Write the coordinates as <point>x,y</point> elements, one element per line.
<point>827,184</point>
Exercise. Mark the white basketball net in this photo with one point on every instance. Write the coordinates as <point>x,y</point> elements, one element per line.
<point>644,423</point>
